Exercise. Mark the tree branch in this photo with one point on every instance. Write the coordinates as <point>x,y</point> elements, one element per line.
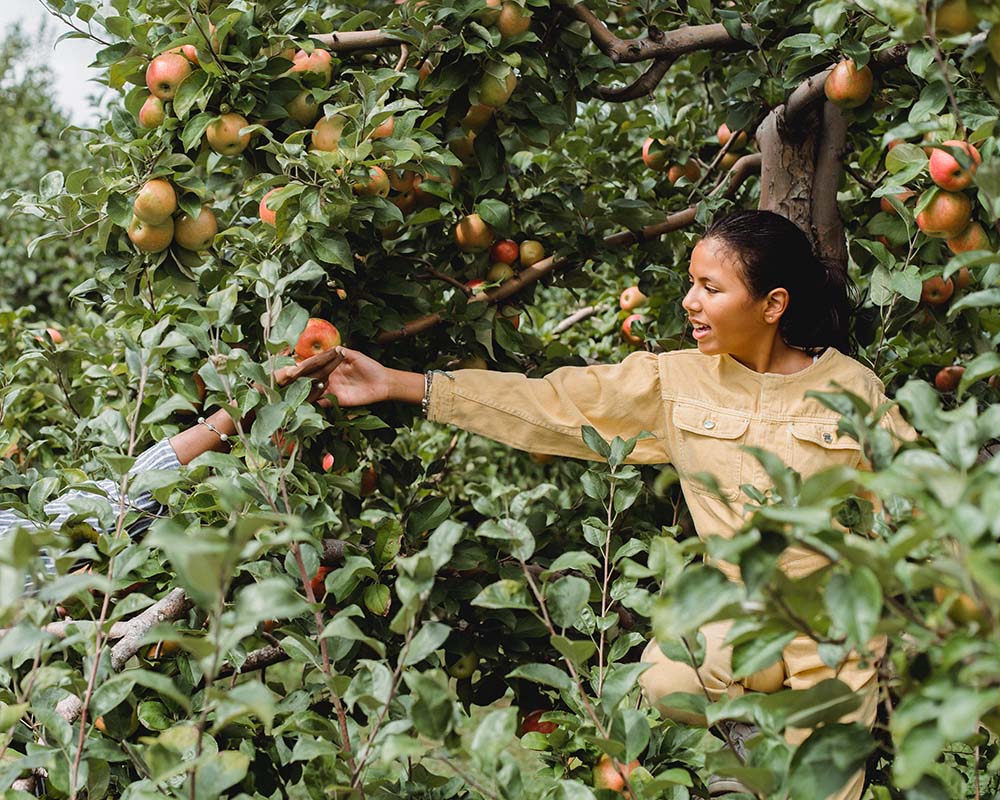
<point>351,41</point>
<point>828,226</point>
<point>659,44</point>
<point>641,86</point>
<point>578,316</point>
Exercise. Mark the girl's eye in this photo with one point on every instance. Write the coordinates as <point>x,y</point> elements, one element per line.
<point>710,290</point>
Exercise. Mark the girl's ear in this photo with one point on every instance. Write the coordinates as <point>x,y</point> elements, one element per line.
<point>775,304</point>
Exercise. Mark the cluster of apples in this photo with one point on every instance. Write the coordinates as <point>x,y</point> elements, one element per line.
<point>164,76</point>
<point>631,299</point>
<point>656,155</point>
<point>154,225</point>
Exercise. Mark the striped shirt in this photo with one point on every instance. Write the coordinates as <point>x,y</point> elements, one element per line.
<point>159,456</point>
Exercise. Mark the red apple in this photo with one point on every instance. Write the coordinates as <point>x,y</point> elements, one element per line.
<point>318,336</point>
<point>631,338</point>
<point>902,197</point>
<point>165,74</point>
<point>653,154</point>
<point>473,235</point>
<point>608,776</point>
<point>267,214</point>
<point>532,722</point>
<point>631,298</point>
<point>369,477</point>
<point>724,135</point>
<point>318,583</point>
<point>963,278</point>
<point>946,216</point>
<point>948,378</point>
<point>327,462</point>
<point>945,170</point>
<point>972,238</point>
<point>847,86</point>
<point>505,251</point>
<point>936,291</point>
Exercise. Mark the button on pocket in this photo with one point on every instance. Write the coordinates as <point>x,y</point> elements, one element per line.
<point>814,446</point>
<point>710,440</point>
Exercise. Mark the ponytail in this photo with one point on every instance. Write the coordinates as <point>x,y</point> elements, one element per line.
<point>775,253</point>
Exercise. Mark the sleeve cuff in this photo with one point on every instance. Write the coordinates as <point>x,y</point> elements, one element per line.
<point>441,397</point>
<point>160,456</point>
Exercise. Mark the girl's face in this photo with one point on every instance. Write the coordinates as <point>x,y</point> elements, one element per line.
<point>725,317</point>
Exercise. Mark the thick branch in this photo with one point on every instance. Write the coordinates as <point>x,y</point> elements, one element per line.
<point>659,44</point>
<point>827,225</point>
<point>680,219</point>
<point>169,608</point>
<point>350,41</point>
<point>641,86</point>
<point>257,659</point>
<point>577,316</point>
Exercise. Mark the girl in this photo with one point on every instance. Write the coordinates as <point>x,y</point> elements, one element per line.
<point>771,323</point>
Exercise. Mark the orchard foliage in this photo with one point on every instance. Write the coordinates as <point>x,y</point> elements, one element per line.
<point>380,626</point>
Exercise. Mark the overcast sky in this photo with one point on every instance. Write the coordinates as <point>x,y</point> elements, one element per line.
<point>69,58</point>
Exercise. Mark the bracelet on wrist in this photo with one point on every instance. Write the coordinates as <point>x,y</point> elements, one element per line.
<point>426,402</point>
<point>222,436</point>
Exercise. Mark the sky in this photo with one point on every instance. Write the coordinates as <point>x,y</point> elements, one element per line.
<point>70,57</point>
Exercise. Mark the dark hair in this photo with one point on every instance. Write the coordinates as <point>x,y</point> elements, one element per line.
<point>776,253</point>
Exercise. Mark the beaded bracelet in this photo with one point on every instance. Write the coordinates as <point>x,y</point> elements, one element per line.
<point>425,404</point>
<point>223,436</point>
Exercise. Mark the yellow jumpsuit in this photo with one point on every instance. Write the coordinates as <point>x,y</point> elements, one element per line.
<point>700,410</point>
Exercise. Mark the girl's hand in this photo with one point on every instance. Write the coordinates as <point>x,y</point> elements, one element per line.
<point>357,380</point>
<point>318,368</point>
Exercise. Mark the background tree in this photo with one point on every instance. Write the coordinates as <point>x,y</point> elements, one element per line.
<point>382,625</point>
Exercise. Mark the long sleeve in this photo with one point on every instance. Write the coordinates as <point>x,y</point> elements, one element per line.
<point>545,415</point>
<point>159,457</point>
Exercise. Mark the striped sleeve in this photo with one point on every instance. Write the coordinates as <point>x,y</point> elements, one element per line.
<point>160,456</point>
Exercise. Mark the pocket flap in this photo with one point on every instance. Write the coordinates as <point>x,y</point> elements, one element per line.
<point>710,422</point>
<point>823,434</point>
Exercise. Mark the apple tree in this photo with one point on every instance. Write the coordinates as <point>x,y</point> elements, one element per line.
<point>363,604</point>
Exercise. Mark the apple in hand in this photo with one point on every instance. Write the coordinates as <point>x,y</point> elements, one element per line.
<point>319,335</point>
<point>631,298</point>
<point>948,378</point>
<point>936,291</point>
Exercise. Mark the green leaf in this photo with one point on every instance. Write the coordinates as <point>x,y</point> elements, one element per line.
<point>631,728</point>
<point>494,213</point>
<point>620,680</point>
<point>566,598</point>
<point>494,733</point>
<point>984,298</point>
<point>854,603</point>
<point>504,593</point>
<point>545,674</point>
<point>595,442</point>
<point>190,92</point>
<point>343,627</point>
<point>428,639</point>
<point>428,514</point>
<point>825,761</point>
<point>516,536</point>
<point>218,773</point>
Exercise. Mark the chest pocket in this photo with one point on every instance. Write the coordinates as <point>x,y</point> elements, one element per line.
<point>813,446</point>
<point>710,440</point>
